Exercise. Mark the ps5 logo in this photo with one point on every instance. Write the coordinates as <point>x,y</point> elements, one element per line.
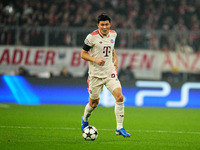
<point>165,91</point>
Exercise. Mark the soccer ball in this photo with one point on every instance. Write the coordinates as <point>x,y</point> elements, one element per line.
<point>90,133</point>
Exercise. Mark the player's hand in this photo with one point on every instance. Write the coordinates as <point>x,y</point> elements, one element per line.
<point>100,61</point>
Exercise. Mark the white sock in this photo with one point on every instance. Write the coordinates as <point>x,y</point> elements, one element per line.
<point>87,112</point>
<point>119,113</point>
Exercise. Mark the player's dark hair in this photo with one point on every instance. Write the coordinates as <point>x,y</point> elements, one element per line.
<point>103,17</point>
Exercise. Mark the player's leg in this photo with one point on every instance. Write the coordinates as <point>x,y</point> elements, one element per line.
<point>89,108</point>
<point>119,107</point>
<point>119,112</point>
<point>94,88</point>
<point>114,86</point>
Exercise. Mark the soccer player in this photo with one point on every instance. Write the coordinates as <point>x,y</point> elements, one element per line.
<point>99,50</point>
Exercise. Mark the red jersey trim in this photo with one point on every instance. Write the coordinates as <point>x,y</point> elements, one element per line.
<point>95,32</point>
<point>100,34</point>
<point>112,31</point>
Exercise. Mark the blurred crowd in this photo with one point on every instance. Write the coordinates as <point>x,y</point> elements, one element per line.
<point>136,15</point>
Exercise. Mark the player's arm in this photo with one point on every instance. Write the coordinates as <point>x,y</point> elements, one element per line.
<point>85,55</point>
<point>115,59</point>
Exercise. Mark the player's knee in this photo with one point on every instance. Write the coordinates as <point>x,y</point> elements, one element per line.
<point>120,98</point>
<point>94,103</point>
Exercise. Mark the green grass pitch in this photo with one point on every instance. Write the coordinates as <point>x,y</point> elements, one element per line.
<point>57,127</point>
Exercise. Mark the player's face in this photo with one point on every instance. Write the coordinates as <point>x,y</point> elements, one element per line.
<point>104,27</point>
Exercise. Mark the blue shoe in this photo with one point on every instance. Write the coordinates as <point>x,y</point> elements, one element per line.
<point>122,132</point>
<point>83,124</point>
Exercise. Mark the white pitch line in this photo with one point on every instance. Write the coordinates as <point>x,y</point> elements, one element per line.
<point>64,128</point>
<point>161,131</point>
<point>48,128</point>
<point>4,106</point>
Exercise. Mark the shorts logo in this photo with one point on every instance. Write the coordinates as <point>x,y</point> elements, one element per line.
<point>113,75</point>
<point>111,41</point>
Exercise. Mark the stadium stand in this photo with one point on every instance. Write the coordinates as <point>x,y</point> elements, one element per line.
<point>141,24</point>
<point>160,17</point>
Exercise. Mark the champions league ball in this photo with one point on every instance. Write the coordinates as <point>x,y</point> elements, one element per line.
<point>90,133</point>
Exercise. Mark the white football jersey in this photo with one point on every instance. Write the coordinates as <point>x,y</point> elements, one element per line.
<point>101,47</point>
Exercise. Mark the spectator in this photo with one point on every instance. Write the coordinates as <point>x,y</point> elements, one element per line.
<point>183,47</point>
<point>65,74</point>
<point>126,74</point>
<point>22,72</point>
<point>180,25</point>
<point>174,76</point>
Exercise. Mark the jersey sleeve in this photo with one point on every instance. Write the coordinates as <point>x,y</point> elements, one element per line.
<point>115,35</point>
<point>88,43</point>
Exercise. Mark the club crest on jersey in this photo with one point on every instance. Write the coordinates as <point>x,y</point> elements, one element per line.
<point>112,41</point>
<point>90,91</point>
<point>100,42</point>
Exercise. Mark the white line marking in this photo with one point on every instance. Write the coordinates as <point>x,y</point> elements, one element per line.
<point>63,128</point>
<point>4,106</point>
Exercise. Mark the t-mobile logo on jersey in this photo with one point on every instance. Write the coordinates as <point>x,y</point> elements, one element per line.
<point>106,49</point>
